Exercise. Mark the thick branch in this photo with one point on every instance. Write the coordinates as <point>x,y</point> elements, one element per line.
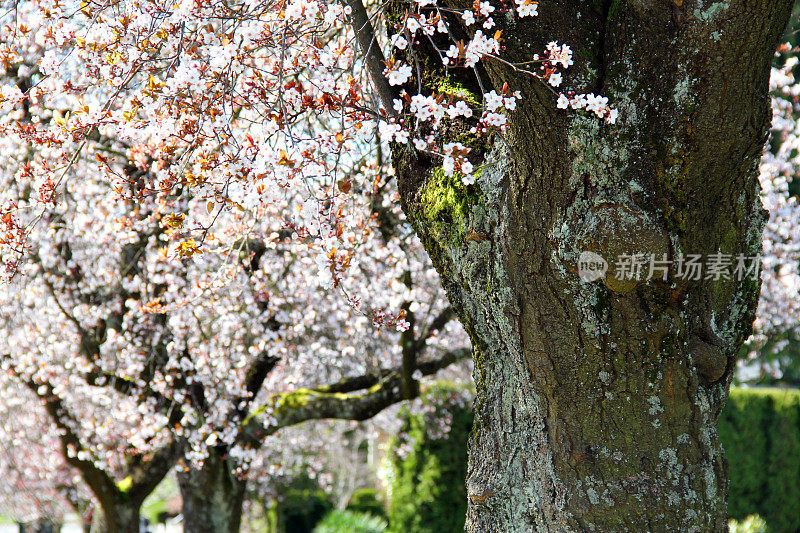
<point>256,374</point>
<point>408,345</point>
<point>148,472</point>
<point>145,473</point>
<point>438,323</point>
<point>288,409</point>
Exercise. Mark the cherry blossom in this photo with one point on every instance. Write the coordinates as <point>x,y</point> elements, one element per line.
<point>776,319</point>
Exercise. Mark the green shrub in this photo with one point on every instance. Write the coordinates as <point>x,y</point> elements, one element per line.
<point>301,505</point>
<point>350,522</point>
<point>366,501</point>
<point>760,432</point>
<point>783,486</point>
<point>428,468</point>
<point>302,509</point>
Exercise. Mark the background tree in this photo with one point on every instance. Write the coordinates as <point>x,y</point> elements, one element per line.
<point>773,355</point>
<point>155,338</point>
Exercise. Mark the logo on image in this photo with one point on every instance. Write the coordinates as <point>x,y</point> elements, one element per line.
<point>591,266</point>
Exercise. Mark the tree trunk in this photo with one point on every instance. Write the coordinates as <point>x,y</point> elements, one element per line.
<point>42,525</point>
<point>117,519</point>
<point>597,402</point>
<point>212,496</point>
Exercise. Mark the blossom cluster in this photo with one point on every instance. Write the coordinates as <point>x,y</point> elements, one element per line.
<point>426,19</point>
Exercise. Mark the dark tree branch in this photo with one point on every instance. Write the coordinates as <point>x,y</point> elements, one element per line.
<point>149,471</point>
<point>145,472</point>
<point>436,325</point>
<point>409,350</point>
<point>289,409</point>
<point>100,378</point>
<point>373,56</point>
<point>258,372</point>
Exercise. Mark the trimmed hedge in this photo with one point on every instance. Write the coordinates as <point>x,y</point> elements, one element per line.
<point>759,429</point>
<point>760,432</point>
<point>301,506</point>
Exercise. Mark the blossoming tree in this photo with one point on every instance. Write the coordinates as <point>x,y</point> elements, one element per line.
<point>161,326</point>
<point>145,358</point>
<point>773,344</point>
<point>209,131</point>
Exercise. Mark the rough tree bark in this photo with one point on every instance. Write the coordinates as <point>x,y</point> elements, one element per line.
<point>597,402</point>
